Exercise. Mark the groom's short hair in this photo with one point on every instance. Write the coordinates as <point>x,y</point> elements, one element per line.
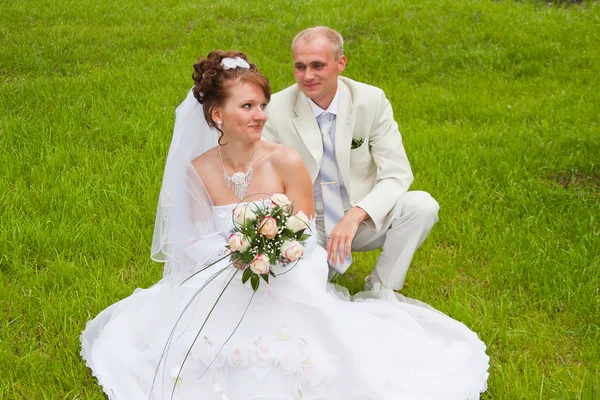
<point>334,37</point>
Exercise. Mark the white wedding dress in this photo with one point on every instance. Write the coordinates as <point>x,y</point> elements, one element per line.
<point>297,339</point>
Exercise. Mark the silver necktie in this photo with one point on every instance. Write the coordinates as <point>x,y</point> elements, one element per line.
<point>333,208</point>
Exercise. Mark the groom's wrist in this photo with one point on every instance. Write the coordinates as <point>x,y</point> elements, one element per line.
<point>357,214</point>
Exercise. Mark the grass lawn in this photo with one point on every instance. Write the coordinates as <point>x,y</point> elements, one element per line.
<point>498,104</point>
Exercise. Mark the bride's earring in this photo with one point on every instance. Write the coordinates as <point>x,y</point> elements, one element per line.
<point>219,124</point>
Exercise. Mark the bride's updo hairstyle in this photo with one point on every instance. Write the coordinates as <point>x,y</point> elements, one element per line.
<point>212,80</point>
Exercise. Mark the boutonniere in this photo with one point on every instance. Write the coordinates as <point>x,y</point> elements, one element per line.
<point>356,143</point>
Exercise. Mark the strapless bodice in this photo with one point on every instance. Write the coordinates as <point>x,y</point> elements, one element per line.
<point>223,216</point>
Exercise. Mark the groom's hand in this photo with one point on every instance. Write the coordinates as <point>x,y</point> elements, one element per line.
<point>339,245</point>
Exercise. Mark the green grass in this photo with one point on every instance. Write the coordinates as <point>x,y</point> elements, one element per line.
<point>498,104</point>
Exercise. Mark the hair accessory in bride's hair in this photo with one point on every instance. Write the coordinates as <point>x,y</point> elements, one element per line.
<point>232,63</point>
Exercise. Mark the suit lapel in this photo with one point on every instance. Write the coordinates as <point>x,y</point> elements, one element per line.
<point>344,127</point>
<point>308,129</point>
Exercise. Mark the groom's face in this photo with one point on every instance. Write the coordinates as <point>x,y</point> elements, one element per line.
<point>316,70</point>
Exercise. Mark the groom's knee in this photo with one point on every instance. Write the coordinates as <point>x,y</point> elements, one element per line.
<point>421,206</point>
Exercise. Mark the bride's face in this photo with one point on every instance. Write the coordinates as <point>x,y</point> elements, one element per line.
<point>243,114</point>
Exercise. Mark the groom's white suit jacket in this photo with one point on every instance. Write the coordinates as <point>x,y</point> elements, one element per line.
<point>375,174</point>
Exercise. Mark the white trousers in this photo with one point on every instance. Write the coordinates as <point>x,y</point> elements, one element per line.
<point>405,228</point>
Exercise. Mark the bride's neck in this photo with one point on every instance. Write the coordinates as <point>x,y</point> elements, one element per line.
<point>238,155</point>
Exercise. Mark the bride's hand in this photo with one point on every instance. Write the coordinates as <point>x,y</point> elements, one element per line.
<point>237,263</point>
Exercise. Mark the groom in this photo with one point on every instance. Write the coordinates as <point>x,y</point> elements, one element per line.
<point>346,134</point>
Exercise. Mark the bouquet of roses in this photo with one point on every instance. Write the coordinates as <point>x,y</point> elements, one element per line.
<point>265,235</point>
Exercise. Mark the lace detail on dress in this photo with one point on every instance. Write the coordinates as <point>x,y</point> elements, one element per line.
<point>202,229</point>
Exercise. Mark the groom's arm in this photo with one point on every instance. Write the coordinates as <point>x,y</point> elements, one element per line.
<point>394,174</point>
<point>269,132</point>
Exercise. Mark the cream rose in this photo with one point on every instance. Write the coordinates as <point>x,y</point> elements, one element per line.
<point>281,200</point>
<point>268,227</point>
<point>260,264</point>
<point>238,242</point>
<point>297,222</point>
<point>292,250</point>
<point>235,241</point>
<point>242,213</point>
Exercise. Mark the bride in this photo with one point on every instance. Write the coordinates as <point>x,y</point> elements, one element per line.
<point>200,333</point>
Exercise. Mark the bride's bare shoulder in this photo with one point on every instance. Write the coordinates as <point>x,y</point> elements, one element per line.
<point>206,156</point>
<point>281,155</point>
<point>205,160</point>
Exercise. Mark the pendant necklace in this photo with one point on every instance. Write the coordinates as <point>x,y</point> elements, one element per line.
<point>239,181</point>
